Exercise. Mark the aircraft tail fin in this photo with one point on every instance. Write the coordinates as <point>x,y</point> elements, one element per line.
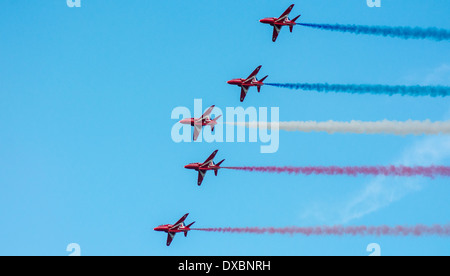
<point>218,164</point>
<point>186,232</point>
<point>291,27</point>
<point>261,80</point>
<point>214,122</point>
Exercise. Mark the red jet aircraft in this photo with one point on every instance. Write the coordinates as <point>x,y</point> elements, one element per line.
<point>245,84</point>
<point>199,123</point>
<point>202,168</point>
<point>279,22</point>
<point>172,229</point>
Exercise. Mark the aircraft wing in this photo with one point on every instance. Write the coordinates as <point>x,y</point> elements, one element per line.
<point>197,129</point>
<point>179,222</point>
<point>285,13</point>
<point>207,113</point>
<point>244,91</point>
<point>276,31</point>
<point>252,75</point>
<point>209,159</point>
<point>201,175</point>
<point>170,237</point>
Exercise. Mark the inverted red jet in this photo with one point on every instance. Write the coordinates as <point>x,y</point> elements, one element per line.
<point>279,22</point>
<point>199,123</point>
<point>245,84</point>
<point>172,229</point>
<point>202,168</point>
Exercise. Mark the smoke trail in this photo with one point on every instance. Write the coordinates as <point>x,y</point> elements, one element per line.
<point>408,127</point>
<point>405,171</point>
<point>417,230</point>
<point>400,32</point>
<point>416,90</point>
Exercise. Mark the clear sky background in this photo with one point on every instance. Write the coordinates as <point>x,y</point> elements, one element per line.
<point>86,154</point>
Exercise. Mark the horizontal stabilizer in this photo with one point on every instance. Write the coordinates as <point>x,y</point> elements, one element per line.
<point>261,80</point>
<point>295,19</point>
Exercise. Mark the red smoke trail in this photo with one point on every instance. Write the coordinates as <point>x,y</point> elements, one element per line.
<point>417,230</point>
<point>430,171</point>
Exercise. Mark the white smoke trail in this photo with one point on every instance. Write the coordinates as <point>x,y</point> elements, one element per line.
<point>408,127</point>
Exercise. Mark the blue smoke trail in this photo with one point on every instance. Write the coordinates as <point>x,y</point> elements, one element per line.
<point>400,32</point>
<point>417,90</point>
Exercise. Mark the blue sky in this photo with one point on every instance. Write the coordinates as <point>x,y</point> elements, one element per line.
<point>86,154</point>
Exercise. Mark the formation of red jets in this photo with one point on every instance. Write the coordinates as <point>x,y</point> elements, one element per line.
<point>205,120</point>
<point>276,23</point>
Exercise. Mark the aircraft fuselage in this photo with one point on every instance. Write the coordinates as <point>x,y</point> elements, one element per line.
<point>167,228</point>
<point>273,21</point>
<point>195,121</point>
<point>197,166</point>
<point>241,82</point>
